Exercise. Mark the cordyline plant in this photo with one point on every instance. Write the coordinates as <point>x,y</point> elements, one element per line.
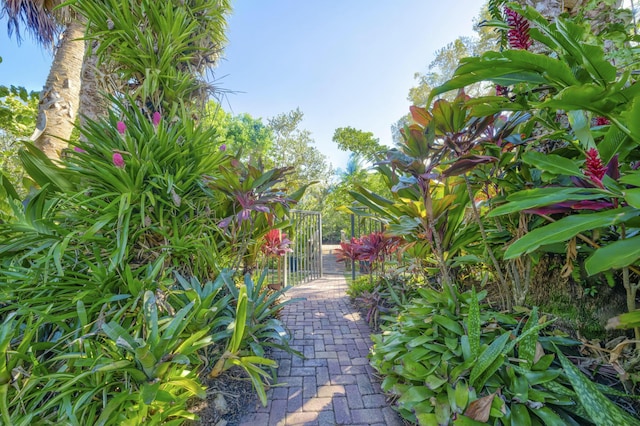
<point>374,248</point>
<point>442,170</point>
<point>252,202</point>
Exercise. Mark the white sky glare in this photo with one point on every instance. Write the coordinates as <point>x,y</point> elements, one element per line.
<point>342,62</point>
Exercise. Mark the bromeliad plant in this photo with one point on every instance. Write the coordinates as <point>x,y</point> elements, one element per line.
<point>101,331</point>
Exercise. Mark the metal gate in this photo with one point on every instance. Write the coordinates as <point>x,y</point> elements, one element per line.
<point>304,263</point>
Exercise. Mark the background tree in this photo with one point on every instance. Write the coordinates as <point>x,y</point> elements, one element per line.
<point>241,133</point>
<point>18,110</point>
<point>294,147</point>
<point>445,62</point>
<point>359,142</point>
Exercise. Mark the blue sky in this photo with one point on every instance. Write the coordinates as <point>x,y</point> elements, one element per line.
<point>342,62</point>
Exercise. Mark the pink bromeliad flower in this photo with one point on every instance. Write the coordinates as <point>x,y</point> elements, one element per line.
<point>79,150</point>
<point>118,160</point>
<point>156,118</point>
<point>121,127</point>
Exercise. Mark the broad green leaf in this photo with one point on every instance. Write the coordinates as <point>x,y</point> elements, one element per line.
<point>615,142</point>
<point>552,163</point>
<point>434,382</point>
<point>368,203</point>
<point>240,321</point>
<point>540,197</point>
<point>9,190</point>
<point>172,330</point>
<point>191,385</point>
<point>632,196</point>
<point>520,414</point>
<point>151,317</point>
<point>462,420</point>
<point>589,97</point>
<point>415,394</point>
<point>473,324</point>
<point>631,178</point>
<point>488,357</point>
<point>615,255</point>
<point>581,126</point>
<point>516,66</point>
<point>527,346</point>
<point>631,119</point>
<point>449,324</point>
<point>42,169</point>
<point>567,228</point>
<point>601,409</point>
<point>626,320</point>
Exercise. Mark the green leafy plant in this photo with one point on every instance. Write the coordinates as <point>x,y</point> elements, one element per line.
<point>468,365</point>
<point>101,260</point>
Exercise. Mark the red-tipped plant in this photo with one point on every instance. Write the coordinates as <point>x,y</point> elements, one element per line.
<point>276,243</point>
<point>518,33</point>
<point>593,168</point>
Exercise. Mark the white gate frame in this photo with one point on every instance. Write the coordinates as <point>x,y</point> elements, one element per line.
<point>304,263</point>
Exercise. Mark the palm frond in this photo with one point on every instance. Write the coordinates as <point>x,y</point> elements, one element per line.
<point>37,16</point>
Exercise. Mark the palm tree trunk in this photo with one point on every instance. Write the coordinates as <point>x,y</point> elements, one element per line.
<point>93,104</point>
<point>59,100</point>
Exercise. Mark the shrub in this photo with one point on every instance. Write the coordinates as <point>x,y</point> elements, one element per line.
<point>115,288</point>
<point>449,362</point>
<point>360,285</point>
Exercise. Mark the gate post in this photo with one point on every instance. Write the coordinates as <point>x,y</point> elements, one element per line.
<point>320,241</point>
<point>353,234</point>
<point>285,267</point>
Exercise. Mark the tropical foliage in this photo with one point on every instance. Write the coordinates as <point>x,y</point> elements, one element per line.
<point>103,292</point>
<point>129,271</point>
<point>483,189</point>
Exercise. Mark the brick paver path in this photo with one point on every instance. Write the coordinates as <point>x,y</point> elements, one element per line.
<point>333,384</point>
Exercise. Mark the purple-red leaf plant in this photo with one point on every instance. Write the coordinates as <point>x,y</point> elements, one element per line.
<point>374,248</point>
<point>276,244</point>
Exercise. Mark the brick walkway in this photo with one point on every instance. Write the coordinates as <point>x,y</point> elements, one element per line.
<point>334,384</point>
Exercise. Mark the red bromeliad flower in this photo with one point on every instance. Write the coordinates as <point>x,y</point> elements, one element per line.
<point>594,169</point>
<point>276,243</point>
<point>518,33</point>
<point>602,121</point>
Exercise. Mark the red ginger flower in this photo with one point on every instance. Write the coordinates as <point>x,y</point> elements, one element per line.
<point>594,169</point>
<point>518,33</point>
